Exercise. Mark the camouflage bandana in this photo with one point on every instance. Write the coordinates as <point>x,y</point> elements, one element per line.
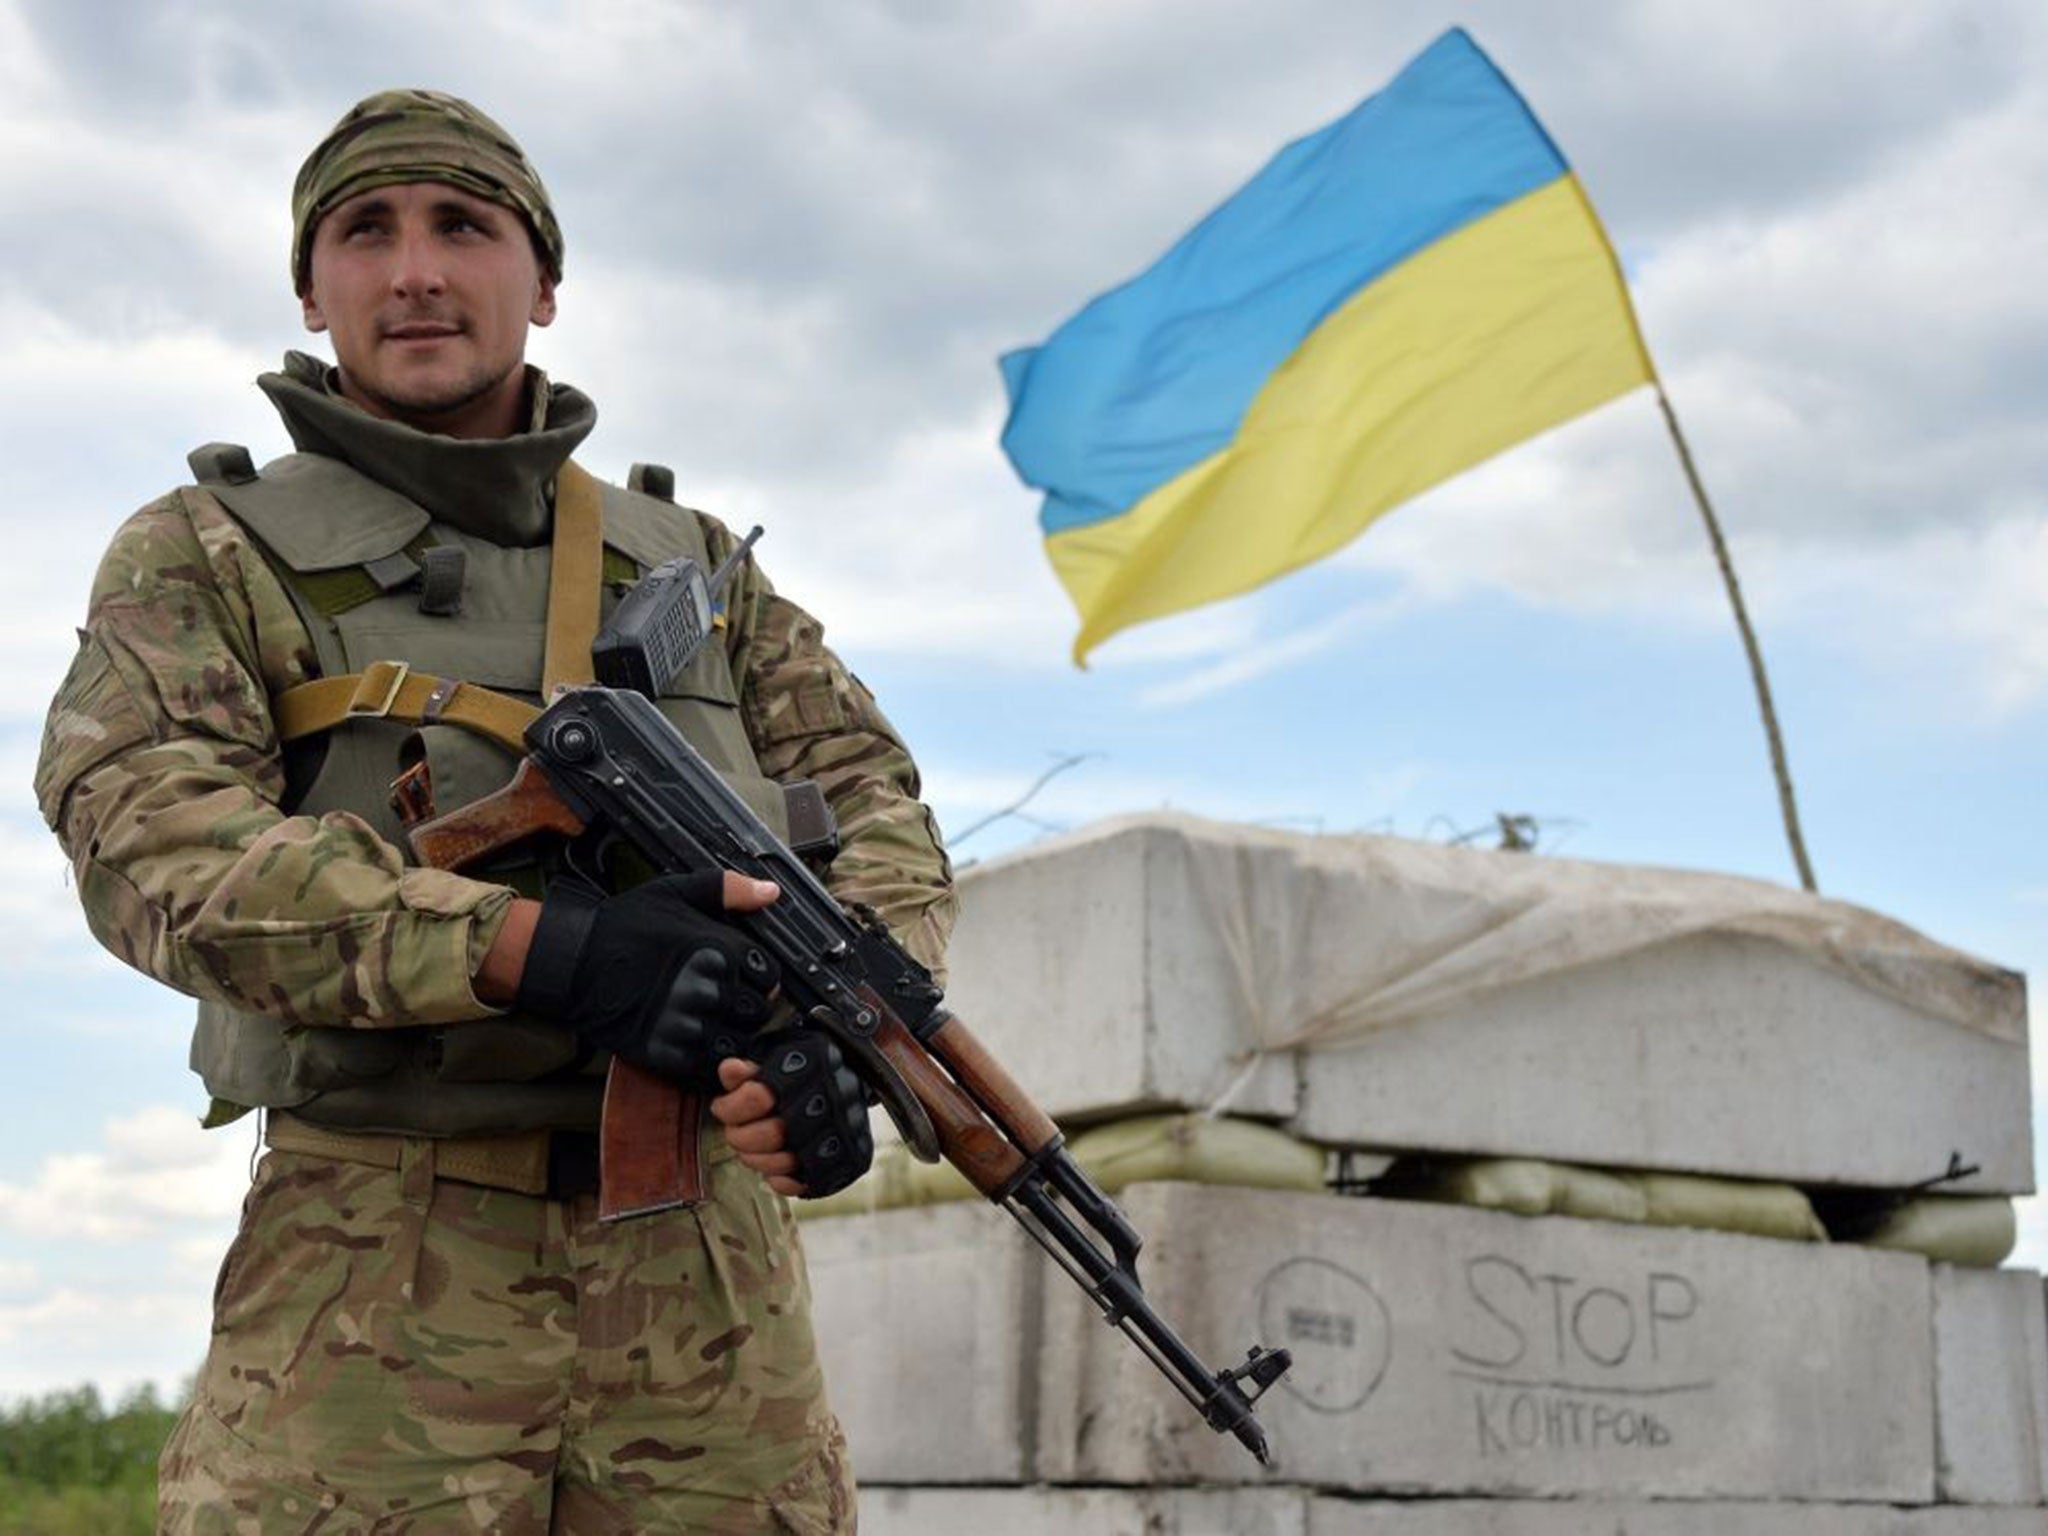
<point>400,136</point>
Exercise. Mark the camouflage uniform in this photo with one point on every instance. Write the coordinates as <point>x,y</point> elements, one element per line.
<point>508,1365</point>
<point>396,1350</point>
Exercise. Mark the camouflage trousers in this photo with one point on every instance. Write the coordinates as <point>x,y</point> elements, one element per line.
<point>400,1354</point>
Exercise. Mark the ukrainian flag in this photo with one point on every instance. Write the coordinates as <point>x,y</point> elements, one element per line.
<point>1392,300</point>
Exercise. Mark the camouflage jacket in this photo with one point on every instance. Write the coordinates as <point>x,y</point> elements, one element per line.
<point>162,775</point>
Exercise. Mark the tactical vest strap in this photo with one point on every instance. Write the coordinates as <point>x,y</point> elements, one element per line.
<point>223,464</point>
<point>390,690</point>
<point>575,579</point>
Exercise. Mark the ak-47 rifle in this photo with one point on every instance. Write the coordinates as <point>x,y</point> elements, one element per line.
<point>603,761</point>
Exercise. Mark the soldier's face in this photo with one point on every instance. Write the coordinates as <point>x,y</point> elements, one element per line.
<point>426,292</point>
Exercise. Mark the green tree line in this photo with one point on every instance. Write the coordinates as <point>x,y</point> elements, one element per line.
<point>71,1466</point>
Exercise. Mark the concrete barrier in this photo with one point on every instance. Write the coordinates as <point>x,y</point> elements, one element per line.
<point>1097,971</point>
<point>1299,1512</point>
<point>1445,1351</point>
<point>1084,1512</point>
<point>1332,1517</point>
<point>1990,1386</point>
<point>930,1319</point>
<point>1712,1054</point>
<point>1439,1351</point>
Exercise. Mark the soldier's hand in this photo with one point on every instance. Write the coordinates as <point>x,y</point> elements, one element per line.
<point>652,975</point>
<point>796,1116</point>
<point>752,1127</point>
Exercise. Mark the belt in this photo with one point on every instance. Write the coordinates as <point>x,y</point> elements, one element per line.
<point>555,1165</point>
<point>572,1164</point>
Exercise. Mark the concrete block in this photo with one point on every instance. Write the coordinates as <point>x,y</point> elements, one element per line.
<point>1991,1386</point>
<point>1711,1054</point>
<point>1111,979</point>
<point>1301,1512</point>
<point>1084,1511</point>
<point>1439,1351</point>
<point>1445,1351</point>
<point>928,1320</point>
<point>1082,965</point>
<point>1586,1517</point>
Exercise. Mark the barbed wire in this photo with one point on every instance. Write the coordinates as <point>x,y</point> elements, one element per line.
<point>1016,807</point>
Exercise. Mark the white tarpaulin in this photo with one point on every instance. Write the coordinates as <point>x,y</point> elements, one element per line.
<point>1331,937</point>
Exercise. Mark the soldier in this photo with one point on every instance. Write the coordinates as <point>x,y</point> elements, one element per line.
<point>421,1326</point>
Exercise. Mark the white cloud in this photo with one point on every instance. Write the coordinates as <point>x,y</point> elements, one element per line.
<point>1959,608</point>
<point>795,286</point>
<point>127,1239</point>
<point>1962,611</point>
<point>115,1337</point>
<point>1252,662</point>
<point>1097,788</point>
<point>938,554</point>
<point>1199,636</point>
<point>71,484</point>
<point>155,1175</point>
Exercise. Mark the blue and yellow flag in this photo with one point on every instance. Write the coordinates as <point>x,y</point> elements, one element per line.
<point>1390,301</point>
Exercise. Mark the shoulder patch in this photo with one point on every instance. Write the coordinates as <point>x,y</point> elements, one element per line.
<point>93,718</point>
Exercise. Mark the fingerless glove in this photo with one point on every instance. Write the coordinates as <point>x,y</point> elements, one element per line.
<point>651,975</point>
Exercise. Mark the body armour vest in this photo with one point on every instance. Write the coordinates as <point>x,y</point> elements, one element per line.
<point>342,544</point>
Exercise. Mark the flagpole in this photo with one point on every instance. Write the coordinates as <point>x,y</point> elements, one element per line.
<point>1786,804</point>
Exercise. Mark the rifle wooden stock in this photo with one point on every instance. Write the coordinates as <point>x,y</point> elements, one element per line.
<point>990,1085</point>
<point>970,1143</point>
<point>524,807</point>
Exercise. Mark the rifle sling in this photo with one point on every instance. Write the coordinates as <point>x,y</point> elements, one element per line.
<point>575,580</point>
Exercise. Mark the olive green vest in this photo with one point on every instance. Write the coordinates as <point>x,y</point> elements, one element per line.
<point>347,549</point>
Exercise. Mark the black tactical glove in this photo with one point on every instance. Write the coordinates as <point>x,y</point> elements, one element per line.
<point>650,975</point>
<point>823,1109</point>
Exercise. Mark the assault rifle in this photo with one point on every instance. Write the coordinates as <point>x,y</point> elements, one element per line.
<point>604,762</point>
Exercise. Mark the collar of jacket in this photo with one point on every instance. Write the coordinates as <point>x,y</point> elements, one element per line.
<point>499,488</point>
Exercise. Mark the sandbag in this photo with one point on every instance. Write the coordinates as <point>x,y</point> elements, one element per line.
<point>897,1179</point>
<point>1526,1186</point>
<point>1975,1230</point>
<point>1533,1187</point>
<point>1196,1149</point>
<point>1758,1208</point>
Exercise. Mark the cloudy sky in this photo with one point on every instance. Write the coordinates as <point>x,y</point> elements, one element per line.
<point>798,238</point>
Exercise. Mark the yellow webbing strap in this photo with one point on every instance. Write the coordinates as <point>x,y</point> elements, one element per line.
<point>390,690</point>
<point>575,580</point>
